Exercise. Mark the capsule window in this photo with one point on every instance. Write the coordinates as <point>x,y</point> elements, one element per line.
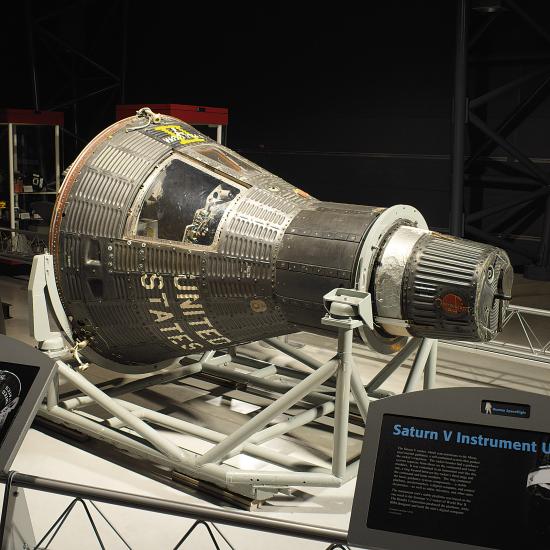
<point>184,204</point>
<point>224,159</point>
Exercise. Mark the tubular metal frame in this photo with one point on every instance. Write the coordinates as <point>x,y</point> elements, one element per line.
<point>42,31</point>
<point>130,428</point>
<point>468,116</point>
<point>178,509</point>
<point>536,345</point>
<point>333,387</point>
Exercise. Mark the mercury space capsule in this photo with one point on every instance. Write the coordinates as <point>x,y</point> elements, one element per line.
<point>166,244</point>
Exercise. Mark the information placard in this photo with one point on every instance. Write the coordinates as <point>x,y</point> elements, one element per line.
<point>15,383</point>
<point>455,468</point>
<point>25,374</point>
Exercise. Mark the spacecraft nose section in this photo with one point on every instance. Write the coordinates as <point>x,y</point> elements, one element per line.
<point>429,285</point>
<point>456,289</point>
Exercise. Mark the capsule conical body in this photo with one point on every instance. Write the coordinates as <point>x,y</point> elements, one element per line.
<point>166,243</point>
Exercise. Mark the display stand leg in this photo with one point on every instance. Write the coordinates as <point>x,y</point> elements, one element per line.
<point>430,370</point>
<point>52,532</point>
<point>212,537</point>
<point>419,364</point>
<point>16,527</point>
<point>395,362</point>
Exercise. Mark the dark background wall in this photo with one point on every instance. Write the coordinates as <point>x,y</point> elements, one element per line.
<point>351,105</point>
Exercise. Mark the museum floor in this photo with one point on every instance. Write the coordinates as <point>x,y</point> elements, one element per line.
<point>47,456</point>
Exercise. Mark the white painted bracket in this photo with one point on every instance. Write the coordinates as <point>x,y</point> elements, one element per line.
<point>42,294</point>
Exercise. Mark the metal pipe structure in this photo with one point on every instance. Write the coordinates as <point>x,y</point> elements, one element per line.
<point>358,390</point>
<point>529,20</point>
<point>534,345</point>
<point>11,169</point>
<point>519,214</point>
<point>459,120</point>
<point>181,371</point>
<point>300,419</point>
<point>509,86</point>
<point>512,180</point>
<point>169,449</point>
<point>252,448</point>
<point>294,353</point>
<point>505,206</point>
<point>506,126</point>
<point>419,364</point>
<point>191,511</point>
<point>131,426</point>
<point>518,161</point>
<point>239,436</point>
<point>430,368</point>
<point>544,249</point>
<point>480,31</point>
<point>32,57</point>
<point>498,241</point>
<point>393,365</point>
<point>343,388</point>
<point>359,393</point>
<point>527,163</point>
<point>315,397</point>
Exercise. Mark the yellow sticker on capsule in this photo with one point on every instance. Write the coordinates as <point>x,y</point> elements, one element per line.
<point>178,133</point>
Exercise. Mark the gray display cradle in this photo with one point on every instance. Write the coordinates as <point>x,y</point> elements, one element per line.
<point>331,388</point>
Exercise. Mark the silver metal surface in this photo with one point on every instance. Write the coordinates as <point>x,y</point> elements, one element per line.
<point>389,219</point>
<point>456,286</point>
<point>388,279</point>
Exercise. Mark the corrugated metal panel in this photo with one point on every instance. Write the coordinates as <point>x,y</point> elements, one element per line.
<point>173,260</point>
<point>445,267</point>
<point>124,257</point>
<point>114,314</point>
<point>234,282</point>
<point>74,286</point>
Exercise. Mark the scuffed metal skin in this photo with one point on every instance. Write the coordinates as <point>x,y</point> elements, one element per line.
<point>166,244</point>
<point>389,276</point>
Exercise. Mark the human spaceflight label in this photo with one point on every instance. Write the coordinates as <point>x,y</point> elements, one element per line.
<point>25,374</point>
